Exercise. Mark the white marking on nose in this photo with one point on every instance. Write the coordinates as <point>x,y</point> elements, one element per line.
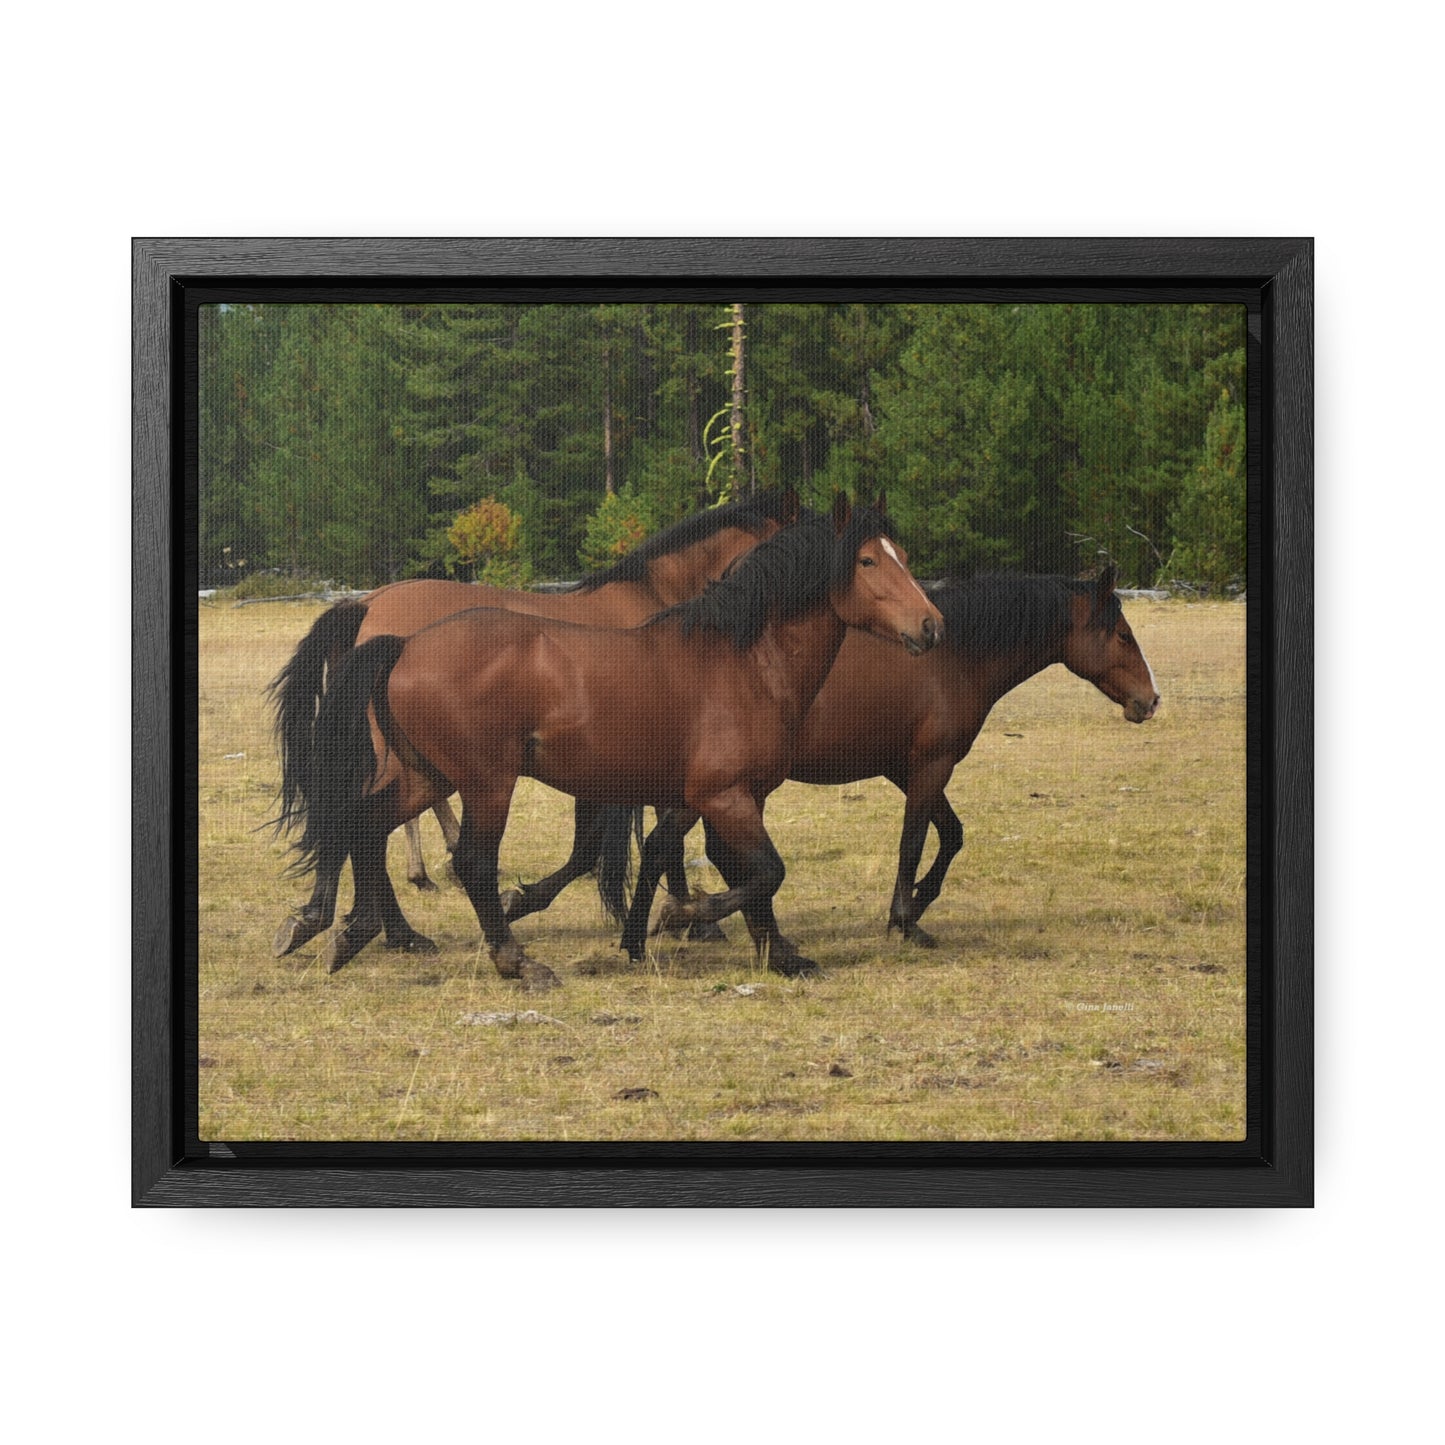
<point>1152,682</point>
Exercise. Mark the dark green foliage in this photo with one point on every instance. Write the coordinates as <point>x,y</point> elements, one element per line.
<point>1209,512</point>
<point>344,441</point>
<point>622,522</point>
<point>237,353</point>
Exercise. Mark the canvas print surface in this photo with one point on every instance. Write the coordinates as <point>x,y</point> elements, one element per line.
<point>722,721</point>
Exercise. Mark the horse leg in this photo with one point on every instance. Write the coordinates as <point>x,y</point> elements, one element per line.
<point>451,829</point>
<point>923,797</point>
<point>767,937</point>
<point>401,937</point>
<point>416,873</point>
<point>950,843</point>
<point>662,843</point>
<point>484,820</point>
<point>679,892</point>
<point>754,872</point>
<point>314,916</point>
<point>671,863</point>
<point>586,842</point>
<point>368,870</point>
<point>674,869</point>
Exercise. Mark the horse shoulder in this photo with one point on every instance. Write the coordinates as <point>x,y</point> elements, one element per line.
<point>877,684</point>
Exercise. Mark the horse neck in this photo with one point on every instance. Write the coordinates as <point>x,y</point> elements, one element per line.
<point>680,576</point>
<point>795,655</point>
<point>1003,674</point>
<point>987,673</point>
<point>981,678</point>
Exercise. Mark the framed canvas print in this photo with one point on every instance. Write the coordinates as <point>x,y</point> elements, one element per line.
<point>722,722</point>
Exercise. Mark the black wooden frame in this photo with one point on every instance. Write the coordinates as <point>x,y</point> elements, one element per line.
<point>1276,1166</point>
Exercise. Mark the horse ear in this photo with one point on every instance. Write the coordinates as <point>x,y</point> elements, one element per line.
<point>790,507</point>
<point>881,505</point>
<point>1104,588</point>
<point>842,510</point>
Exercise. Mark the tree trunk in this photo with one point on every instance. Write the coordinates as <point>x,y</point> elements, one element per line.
<point>607,418</point>
<point>736,420</point>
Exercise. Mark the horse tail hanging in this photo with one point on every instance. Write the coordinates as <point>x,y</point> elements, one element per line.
<point>343,763</point>
<point>296,695</point>
<point>618,826</point>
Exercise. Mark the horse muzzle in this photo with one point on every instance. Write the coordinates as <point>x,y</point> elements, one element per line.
<point>929,634</point>
<point>1138,710</point>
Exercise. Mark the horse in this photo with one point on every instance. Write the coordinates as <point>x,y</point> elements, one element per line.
<point>915,726</point>
<point>666,569</point>
<point>696,709</point>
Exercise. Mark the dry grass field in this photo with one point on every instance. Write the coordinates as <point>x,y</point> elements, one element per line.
<point>1089,984</point>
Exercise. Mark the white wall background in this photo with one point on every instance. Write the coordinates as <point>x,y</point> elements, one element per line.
<point>742,119</point>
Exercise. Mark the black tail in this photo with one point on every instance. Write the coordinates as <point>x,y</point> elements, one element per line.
<point>617,828</point>
<point>296,695</point>
<point>343,762</point>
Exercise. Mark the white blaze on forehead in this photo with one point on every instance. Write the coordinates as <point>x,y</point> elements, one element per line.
<point>888,548</point>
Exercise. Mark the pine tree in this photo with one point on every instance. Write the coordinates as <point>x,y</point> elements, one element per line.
<point>1208,519</point>
<point>346,440</point>
<point>959,451</point>
<point>237,346</point>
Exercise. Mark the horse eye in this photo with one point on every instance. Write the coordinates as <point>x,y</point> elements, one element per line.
<point>867,561</point>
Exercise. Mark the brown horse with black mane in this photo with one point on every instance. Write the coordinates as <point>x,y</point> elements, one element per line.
<point>914,726</point>
<point>666,569</point>
<point>698,709</point>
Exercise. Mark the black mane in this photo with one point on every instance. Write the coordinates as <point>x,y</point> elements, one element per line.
<point>779,578</point>
<point>1003,612</point>
<point>751,514</point>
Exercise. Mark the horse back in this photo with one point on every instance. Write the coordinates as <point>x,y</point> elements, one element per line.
<point>405,608</point>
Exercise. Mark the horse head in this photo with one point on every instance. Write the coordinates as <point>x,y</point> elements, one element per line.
<point>872,586</point>
<point>1102,648</point>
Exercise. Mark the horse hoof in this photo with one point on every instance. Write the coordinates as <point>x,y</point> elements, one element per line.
<point>795,966</point>
<point>292,934</point>
<point>412,943</point>
<point>510,901</point>
<point>705,931</point>
<point>672,918</point>
<point>792,964</point>
<point>336,955</point>
<point>510,958</point>
<point>423,884</point>
<point>538,978</point>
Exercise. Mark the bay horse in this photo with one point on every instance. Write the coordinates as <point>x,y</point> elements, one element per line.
<point>667,568</point>
<point>913,726</point>
<point>697,709</point>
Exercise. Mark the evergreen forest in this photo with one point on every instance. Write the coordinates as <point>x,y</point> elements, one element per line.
<point>512,443</point>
